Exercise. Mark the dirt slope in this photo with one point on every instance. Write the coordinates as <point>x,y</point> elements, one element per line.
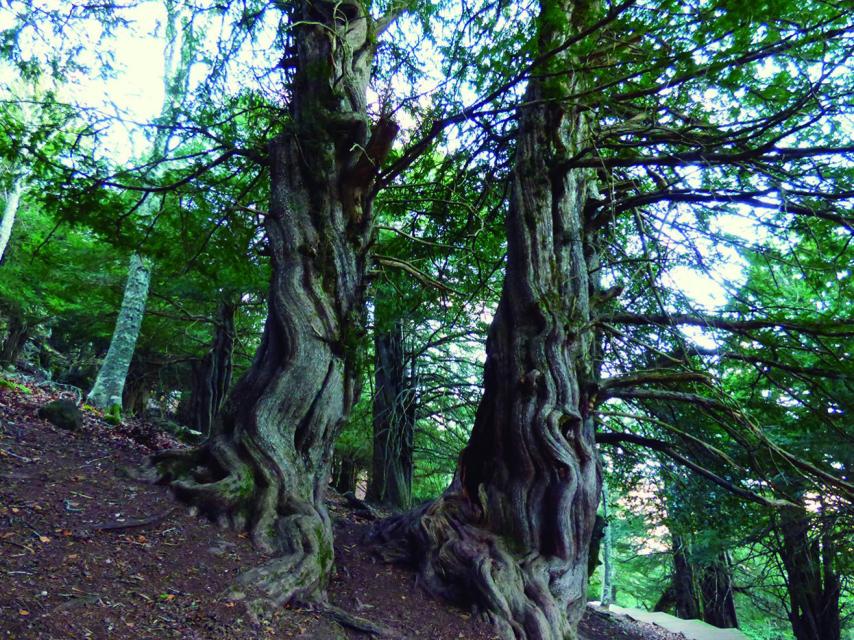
<point>85,553</point>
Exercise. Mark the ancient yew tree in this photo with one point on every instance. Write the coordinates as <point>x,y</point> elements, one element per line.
<point>267,463</point>
<point>511,533</point>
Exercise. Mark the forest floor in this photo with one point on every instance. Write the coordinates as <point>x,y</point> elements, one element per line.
<point>85,553</point>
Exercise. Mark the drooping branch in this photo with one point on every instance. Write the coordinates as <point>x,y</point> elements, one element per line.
<point>840,329</point>
<point>617,438</point>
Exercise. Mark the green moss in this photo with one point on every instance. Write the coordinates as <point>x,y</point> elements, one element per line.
<point>13,386</point>
<point>246,484</point>
<point>325,553</point>
<point>113,415</point>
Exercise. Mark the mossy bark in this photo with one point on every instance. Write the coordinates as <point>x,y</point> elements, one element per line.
<point>109,385</point>
<point>267,463</point>
<point>510,536</point>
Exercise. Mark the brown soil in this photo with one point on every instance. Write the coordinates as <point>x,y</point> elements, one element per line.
<point>85,553</point>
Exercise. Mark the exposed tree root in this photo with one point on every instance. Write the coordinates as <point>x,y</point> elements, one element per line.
<point>237,492</point>
<point>523,596</point>
<point>358,623</point>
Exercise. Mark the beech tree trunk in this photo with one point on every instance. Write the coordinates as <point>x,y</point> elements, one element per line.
<point>394,422</point>
<point>10,210</point>
<point>813,586</point>
<point>511,534</point>
<point>267,463</point>
<point>607,553</point>
<point>212,375</point>
<point>106,393</point>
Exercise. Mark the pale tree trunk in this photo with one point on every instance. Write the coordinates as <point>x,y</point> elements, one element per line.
<point>511,534</point>
<point>267,465</point>
<point>394,422</point>
<point>106,393</point>
<point>607,553</point>
<point>10,210</point>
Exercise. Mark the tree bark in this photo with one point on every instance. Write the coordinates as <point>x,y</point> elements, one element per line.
<point>607,553</point>
<point>10,210</point>
<point>212,375</point>
<point>511,534</point>
<point>813,586</point>
<point>686,597</point>
<point>267,464</point>
<point>17,332</point>
<point>394,422</point>
<point>106,393</point>
<point>344,479</point>
<point>716,592</point>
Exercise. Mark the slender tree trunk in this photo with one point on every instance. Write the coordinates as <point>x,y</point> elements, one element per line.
<point>106,393</point>
<point>212,375</point>
<point>345,476</point>
<point>17,332</point>
<point>814,588</point>
<point>10,210</point>
<point>394,422</point>
<point>607,553</point>
<point>267,464</point>
<point>716,591</point>
<point>511,534</point>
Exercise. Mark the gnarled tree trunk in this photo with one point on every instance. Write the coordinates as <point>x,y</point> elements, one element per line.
<point>511,534</point>
<point>267,464</point>
<point>394,422</point>
<point>107,391</point>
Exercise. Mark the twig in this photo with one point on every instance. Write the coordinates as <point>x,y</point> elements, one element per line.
<point>133,524</point>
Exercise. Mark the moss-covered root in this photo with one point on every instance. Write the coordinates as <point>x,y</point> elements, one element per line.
<point>302,573</point>
<point>525,597</point>
<point>229,490</point>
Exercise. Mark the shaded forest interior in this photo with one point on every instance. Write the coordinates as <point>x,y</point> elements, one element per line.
<point>504,308</point>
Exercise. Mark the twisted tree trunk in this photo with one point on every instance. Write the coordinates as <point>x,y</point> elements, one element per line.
<point>394,422</point>
<point>267,463</point>
<point>107,391</point>
<point>511,534</point>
